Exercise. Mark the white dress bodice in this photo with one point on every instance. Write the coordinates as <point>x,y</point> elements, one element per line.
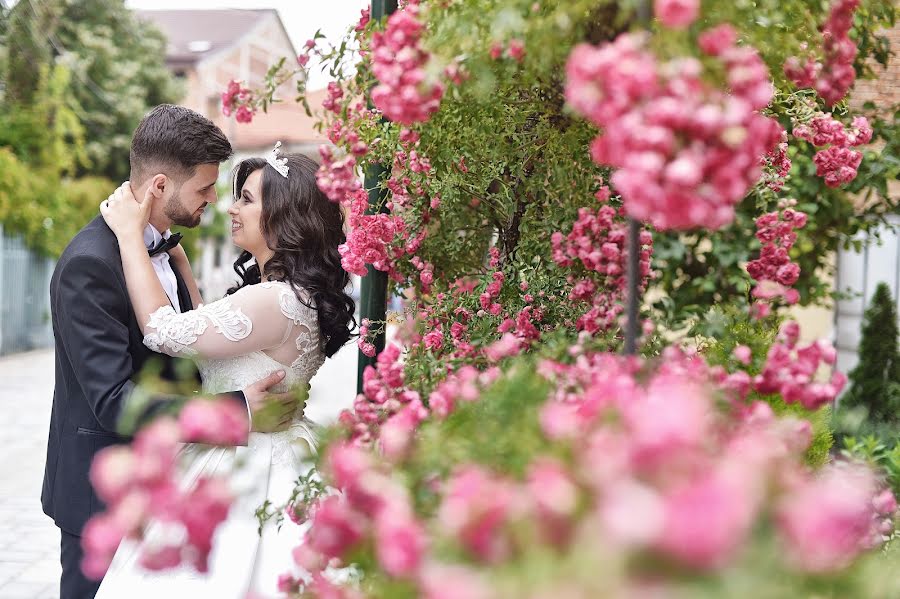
<point>235,342</point>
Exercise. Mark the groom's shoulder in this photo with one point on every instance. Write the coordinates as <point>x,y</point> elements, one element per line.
<point>94,242</point>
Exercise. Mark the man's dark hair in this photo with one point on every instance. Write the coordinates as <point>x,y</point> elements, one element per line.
<point>173,140</point>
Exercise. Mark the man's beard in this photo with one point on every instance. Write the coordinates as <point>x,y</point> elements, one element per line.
<point>178,215</point>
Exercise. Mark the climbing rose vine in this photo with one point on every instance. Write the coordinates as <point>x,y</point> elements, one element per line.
<point>500,445</point>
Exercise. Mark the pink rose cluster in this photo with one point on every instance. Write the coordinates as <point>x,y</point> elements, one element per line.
<point>337,177</point>
<point>515,49</point>
<point>651,466</point>
<point>387,413</point>
<point>370,239</point>
<point>384,394</point>
<point>371,506</point>
<point>404,92</point>
<point>308,48</point>
<point>365,15</point>
<point>488,298</point>
<point>597,244</point>
<point>381,239</point>
<point>365,346</point>
<point>837,163</point>
<point>442,327</point>
<point>676,14</point>
<point>790,370</point>
<point>237,99</point>
<point>833,78</point>
<point>776,165</point>
<point>373,238</point>
<point>774,271</point>
<point>685,153</point>
<point>829,520</point>
<point>139,484</point>
<point>676,476</point>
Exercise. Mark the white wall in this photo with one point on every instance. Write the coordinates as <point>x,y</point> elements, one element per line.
<point>859,273</point>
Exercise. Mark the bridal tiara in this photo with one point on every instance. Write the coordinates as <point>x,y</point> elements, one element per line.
<point>279,164</point>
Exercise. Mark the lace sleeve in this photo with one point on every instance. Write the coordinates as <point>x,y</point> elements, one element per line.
<point>249,320</point>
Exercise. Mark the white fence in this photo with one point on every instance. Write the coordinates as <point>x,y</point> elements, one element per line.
<point>24,297</point>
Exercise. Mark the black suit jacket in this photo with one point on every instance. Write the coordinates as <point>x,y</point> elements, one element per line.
<point>99,350</point>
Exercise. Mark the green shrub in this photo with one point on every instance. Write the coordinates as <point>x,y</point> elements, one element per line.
<point>874,393</point>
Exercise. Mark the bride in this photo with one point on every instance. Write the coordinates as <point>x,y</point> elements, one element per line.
<point>289,311</point>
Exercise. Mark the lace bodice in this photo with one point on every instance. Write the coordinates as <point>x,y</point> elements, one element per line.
<point>266,318</point>
<point>244,337</point>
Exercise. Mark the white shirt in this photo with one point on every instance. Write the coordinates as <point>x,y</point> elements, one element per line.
<point>161,265</point>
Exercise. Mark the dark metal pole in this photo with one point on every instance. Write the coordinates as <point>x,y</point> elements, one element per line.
<point>644,16</point>
<point>373,288</point>
<point>633,281</point>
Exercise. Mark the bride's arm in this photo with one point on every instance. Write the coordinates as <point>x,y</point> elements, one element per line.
<point>127,219</point>
<point>252,319</point>
<point>180,262</point>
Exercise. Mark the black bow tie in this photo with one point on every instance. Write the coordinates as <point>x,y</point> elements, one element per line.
<point>165,245</point>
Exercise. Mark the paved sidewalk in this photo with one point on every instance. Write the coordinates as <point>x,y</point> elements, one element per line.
<point>29,541</point>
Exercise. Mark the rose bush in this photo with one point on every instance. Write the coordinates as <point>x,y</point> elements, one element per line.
<point>502,447</point>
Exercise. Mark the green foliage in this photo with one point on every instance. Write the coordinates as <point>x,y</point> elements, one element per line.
<point>499,431</point>
<point>875,382</point>
<point>46,133</point>
<point>701,268</point>
<point>721,331</point>
<point>511,167</point>
<point>25,53</point>
<point>28,198</point>
<point>117,72</point>
<point>57,122</point>
<point>883,456</point>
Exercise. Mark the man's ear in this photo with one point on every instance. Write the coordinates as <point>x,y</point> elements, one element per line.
<point>158,184</point>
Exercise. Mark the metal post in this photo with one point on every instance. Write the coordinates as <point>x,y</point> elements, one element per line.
<point>643,15</point>
<point>373,288</point>
<point>633,280</point>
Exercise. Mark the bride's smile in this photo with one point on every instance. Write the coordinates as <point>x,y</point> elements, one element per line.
<point>246,212</point>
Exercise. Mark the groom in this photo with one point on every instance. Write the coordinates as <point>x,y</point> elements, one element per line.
<point>99,346</point>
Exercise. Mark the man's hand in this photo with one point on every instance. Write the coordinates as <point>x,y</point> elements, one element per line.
<point>272,412</point>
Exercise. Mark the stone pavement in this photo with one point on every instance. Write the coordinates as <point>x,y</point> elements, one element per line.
<point>29,541</point>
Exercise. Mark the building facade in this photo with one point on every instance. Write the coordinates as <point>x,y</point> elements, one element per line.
<point>207,49</point>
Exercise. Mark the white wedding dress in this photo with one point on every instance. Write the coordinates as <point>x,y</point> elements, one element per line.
<point>235,341</point>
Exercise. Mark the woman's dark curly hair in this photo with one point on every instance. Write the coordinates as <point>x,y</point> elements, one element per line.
<point>304,229</point>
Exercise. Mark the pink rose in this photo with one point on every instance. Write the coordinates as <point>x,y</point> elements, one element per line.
<point>826,521</point>
<point>885,503</point>
<point>400,543</point>
<point>718,39</point>
<point>335,527</point>
<point>112,472</point>
<point>743,354</point>
<point>441,581</point>
<point>475,509</point>
<point>99,540</point>
<point>707,520</point>
<point>676,14</point>
<point>214,422</point>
